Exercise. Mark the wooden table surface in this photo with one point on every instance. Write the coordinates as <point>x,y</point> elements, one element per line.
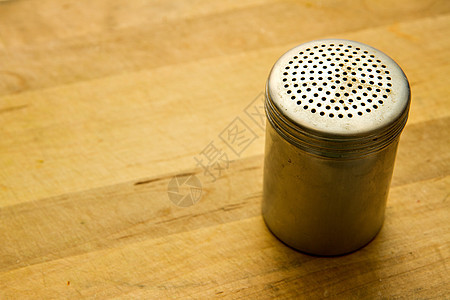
<point>102,103</point>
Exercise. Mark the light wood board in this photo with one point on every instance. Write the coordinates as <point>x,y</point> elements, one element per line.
<point>103,102</point>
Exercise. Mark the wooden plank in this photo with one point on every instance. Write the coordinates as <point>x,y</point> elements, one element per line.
<point>240,258</point>
<point>70,133</point>
<point>423,152</point>
<point>22,23</point>
<point>102,103</point>
<point>137,211</point>
<point>81,50</point>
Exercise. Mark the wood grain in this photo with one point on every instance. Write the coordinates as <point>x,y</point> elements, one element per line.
<point>102,103</point>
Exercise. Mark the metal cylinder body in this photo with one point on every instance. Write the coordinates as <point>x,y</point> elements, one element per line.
<point>329,158</point>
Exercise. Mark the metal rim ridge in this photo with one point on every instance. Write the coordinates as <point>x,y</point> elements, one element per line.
<point>333,146</point>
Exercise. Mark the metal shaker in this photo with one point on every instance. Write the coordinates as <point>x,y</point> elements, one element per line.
<point>335,111</point>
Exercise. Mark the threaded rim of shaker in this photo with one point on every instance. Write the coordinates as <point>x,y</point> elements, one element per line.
<point>341,147</point>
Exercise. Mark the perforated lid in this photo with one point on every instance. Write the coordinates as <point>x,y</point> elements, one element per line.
<point>338,88</point>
